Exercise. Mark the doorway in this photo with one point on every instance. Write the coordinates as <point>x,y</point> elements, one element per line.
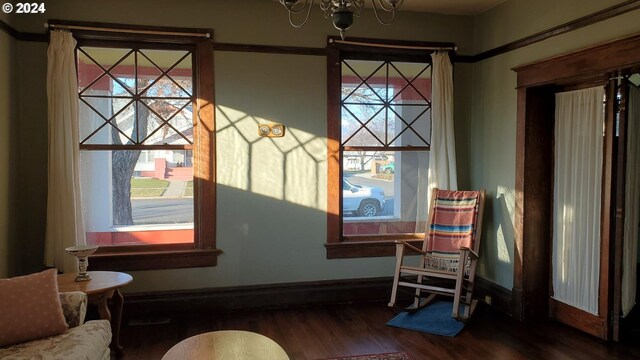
<point>537,85</point>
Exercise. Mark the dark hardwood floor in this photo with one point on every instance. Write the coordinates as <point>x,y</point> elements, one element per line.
<point>320,332</point>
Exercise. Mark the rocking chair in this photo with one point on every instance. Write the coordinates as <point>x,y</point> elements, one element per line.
<point>449,254</point>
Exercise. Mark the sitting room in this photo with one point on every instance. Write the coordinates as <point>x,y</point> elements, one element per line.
<point>319,180</point>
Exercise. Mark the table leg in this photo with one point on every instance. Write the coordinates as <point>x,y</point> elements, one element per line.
<point>114,317</point>
<point>103,308</point>
<point>118,301</point>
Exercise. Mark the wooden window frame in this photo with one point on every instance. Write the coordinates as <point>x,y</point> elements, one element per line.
<point>338,245</point>
<point>202,252</point>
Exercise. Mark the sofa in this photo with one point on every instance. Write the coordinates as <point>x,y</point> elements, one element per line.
<point>82,340</point>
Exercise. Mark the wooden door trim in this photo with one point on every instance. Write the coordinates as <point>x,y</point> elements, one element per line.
<point>598,60</point>
<point>536,82</point>
<point>620,199</point>
<point>534,194</point>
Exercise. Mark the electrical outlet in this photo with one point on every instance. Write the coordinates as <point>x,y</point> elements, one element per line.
<point>271,130</point>
<point>487,299</point>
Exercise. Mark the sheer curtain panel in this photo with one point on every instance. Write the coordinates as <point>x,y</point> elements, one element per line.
<point>577,205</point>
<point>442,157</point>
<point>64,214</point>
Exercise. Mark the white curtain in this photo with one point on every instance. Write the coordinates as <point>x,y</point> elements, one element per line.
<point>442,157</point>
<point>632,203</point>
<point>64,214</point>
<point>577,204</point>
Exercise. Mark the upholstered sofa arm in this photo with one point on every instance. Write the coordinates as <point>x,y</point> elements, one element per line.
<point>74,307</point>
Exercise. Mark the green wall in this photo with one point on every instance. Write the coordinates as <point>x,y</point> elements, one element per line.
<point>271,194</point>
<point>8,112</point>
<point>491,141</point>
<point>5,109</point>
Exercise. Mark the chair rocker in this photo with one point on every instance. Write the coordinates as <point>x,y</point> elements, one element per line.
<point>449,254</point>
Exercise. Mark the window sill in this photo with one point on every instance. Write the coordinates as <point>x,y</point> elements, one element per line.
<point>374,219</point>
<point>148,257</point>
<point>152,227</point>
<point>357,249</point>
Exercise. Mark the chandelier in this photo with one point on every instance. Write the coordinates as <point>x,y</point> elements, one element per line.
<point>340,11</point>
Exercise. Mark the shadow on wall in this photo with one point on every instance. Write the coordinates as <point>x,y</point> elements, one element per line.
<point>498,215</point>
<point>265,240</point>
<point>24,253</point>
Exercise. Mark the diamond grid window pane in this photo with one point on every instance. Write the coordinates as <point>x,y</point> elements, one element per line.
<point>371,125</point>
<point>164,59</point>
<point>88,71</point>
<point>166,135</point>
<point>368,79</point>
<point>123,75</point>
<point>182,74</point>
<point>147,73</point>
<point>165,87</point>
<point>412,126</point>
<point>411,82</point>
<point>135,97</point>
<point>385,103</point>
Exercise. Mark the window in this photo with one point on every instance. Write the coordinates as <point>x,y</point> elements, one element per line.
<point>146,141</point>
<point>379,130</point>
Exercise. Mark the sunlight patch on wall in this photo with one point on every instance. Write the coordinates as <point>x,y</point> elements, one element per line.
<point>509,196</point>
<point>504,205</point>
<point>267,175</point>
<point>291,168</point>
<point>503,251</point>
<point>232,150</point>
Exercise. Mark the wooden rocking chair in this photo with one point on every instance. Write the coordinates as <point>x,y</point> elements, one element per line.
<point>449,253</point>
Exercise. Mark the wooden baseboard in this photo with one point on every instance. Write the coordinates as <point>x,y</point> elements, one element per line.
<point>166,303</point>
<point>501,298</point>
<point>257,296</point>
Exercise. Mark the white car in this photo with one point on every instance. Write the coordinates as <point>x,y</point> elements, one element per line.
<point>362,200</point>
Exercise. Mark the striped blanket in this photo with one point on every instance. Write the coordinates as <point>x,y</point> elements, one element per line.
<point>452,225</point>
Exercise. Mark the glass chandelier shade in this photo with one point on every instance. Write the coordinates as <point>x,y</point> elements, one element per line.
<point>341,12</point>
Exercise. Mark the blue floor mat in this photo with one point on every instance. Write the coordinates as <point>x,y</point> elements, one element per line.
<point>434,319</point>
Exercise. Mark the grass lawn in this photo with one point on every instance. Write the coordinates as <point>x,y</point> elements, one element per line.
<point>188,189</point>
<point>148,187</point>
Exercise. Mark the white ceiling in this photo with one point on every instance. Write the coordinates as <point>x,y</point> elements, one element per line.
<point>457,7</point>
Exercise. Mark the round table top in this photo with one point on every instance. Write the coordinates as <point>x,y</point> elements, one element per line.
<point>101,281</point>
<point>227,345</point>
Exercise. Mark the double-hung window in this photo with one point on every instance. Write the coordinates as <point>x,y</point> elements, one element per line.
<point>379,130</point>
<point>146,140</point>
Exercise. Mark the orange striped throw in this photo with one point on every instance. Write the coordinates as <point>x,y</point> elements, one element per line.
<point>452,225</point>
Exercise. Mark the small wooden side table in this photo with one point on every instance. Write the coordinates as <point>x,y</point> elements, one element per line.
<point>227,345</point>
<point>104,285</point>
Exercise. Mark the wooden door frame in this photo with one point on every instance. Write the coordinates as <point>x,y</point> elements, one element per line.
<point>534,170</point>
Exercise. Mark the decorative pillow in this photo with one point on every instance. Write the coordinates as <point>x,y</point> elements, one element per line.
<point>30,308</point>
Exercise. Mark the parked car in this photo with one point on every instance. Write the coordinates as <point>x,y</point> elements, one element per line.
<point>362,200</point>
<point>390,168</point>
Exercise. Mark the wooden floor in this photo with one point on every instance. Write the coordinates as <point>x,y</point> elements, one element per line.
<point>322,332</point>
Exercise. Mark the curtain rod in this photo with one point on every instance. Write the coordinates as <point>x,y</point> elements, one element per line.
<point>409,47</point>
<point>128,31</point>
